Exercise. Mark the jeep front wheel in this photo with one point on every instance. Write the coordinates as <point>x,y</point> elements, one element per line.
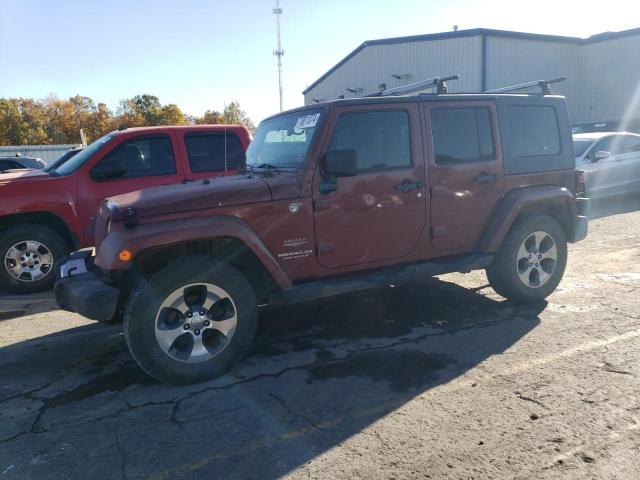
<point>191,321</point>
<point>531,261</point>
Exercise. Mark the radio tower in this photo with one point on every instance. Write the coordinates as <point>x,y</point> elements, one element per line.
<point>279,52</point>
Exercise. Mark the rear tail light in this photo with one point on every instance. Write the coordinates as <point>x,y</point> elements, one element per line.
<point>580,186</point>
<point>574,182</point>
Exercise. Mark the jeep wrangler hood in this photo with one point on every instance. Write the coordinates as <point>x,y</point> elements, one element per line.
<point>196,195</point>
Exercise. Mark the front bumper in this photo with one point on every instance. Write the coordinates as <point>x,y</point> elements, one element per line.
<point>87,293</point>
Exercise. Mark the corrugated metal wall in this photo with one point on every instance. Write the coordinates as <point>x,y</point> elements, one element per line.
<point>610,76</point>
<point>47,153</point>
<point>376,64</point>
<point>511,61</point>
<point>602,76</point>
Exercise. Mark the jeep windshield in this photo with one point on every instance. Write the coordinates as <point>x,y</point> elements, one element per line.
<point>283,141</point>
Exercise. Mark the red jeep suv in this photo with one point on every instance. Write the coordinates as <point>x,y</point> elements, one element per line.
<point>335,197</point>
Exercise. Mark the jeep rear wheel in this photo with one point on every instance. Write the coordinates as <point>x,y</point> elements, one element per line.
<point>191,321</point>
<point>531,261</point>
<point>28,254</point>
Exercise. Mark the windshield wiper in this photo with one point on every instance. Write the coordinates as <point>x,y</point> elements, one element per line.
<point>267,169</point>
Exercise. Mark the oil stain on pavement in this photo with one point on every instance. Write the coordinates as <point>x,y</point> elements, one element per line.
<point>401,369</point>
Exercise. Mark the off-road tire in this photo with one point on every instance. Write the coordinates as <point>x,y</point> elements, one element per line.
<point>146,299</point>
<point>503,272</point>
<point>53,241</point>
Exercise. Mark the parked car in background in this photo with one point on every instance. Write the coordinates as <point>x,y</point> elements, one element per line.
<point>608,126</point>
<point>46,214</point>
<point>63,158</point>
<point>610,162</point>
<point>20,162</point>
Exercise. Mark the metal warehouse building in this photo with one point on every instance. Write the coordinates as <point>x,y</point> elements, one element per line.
<point>603,71</point>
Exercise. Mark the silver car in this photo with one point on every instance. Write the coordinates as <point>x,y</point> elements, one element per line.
<point>20,161</point>
<point>610,162</point>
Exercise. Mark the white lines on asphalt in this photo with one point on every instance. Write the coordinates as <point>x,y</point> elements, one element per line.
<point>328,424</point>
<point>458,384</point>
<point>628,279</point>
<point>571,308</point>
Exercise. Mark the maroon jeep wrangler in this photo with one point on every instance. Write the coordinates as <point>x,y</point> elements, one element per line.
<point>335,197</point>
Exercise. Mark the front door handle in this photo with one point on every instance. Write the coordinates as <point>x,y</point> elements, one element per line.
<point>485,177</point>
<point>407,185</point>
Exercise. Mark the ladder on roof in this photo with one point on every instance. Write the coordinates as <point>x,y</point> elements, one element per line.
<point>438,82</point>
<point>543,84</point>
<point>441,86</point>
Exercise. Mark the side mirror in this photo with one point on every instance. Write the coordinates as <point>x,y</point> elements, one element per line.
<point>601,155</point>
<point>108,169</point>
<point>337,163</point>
<point>341,163</point>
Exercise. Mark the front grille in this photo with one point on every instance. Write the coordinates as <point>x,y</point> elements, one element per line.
<point>102,225</point>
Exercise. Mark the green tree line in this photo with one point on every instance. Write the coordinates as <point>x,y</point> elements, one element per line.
<point>26,121</point>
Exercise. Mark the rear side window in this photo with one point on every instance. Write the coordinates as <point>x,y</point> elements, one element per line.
<point>462,135</point>
<point>144,157</point>
<point>381,139</point>
<point>214,152</point>
<point>631,144</point>
<point>534,131</point>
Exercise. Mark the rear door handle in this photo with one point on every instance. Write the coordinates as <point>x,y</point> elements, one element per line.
<point>407,185</point>
<point>485,177</point>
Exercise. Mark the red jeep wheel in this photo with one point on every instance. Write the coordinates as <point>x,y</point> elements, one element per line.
<point>191,321</point>
<point>531,261</point>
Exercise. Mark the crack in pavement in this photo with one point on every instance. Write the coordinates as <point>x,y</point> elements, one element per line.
<point>173,401</point>
<point>123,456</point>
<point>32,429</point>
<point>29,394</point>
<point>176,401</point>
<point>326,426</point>
<point>529,399</point>
<point>287,409</point>
<point>579,450</point>
<point>608,367</point>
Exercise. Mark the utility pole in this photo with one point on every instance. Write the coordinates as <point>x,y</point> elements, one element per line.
<point>279,52</point>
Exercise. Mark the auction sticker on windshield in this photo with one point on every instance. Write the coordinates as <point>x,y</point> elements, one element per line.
<point>308,121</point>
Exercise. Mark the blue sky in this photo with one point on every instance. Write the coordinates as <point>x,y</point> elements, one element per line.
<point>201,54</point>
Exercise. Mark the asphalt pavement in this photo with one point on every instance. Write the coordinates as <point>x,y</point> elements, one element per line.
<point>438,379</point>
